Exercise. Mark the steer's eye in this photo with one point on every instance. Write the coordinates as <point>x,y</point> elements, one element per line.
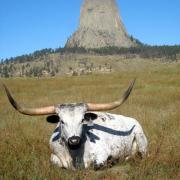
<point>82,120</point>
<point>62,122</point>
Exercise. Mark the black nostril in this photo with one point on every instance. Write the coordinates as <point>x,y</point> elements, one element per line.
<point>74,140</point>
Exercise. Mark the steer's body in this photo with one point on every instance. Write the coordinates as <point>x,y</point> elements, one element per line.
<point>110,136</point>
<point>83,138</point>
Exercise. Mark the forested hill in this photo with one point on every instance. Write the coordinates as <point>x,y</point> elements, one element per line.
<point>60,61</point>
<point>168,52</point>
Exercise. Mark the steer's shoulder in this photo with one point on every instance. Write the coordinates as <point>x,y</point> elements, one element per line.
<point>104,116</point>
<point>118,122</point>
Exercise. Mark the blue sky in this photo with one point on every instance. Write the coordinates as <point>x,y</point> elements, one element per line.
<point>29,25</point>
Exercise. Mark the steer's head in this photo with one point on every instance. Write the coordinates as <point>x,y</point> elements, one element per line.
<point>71,116</point>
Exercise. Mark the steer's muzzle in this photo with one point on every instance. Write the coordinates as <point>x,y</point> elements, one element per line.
<point>74,142</point>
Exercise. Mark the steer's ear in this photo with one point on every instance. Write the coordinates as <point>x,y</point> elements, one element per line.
<point>89,116</point>
<point>53,119</point>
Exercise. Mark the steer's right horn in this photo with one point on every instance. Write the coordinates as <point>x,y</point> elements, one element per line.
<point>112,105</point>
<point>29,111</point>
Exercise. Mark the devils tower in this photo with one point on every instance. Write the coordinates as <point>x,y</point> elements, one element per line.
<point>100,26</point>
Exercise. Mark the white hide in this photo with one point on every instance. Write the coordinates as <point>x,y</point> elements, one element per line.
<point>109,136</point>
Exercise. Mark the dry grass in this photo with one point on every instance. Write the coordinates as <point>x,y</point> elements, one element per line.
<point>155,102</point>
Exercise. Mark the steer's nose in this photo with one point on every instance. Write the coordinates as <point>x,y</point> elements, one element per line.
<point>74,140</point>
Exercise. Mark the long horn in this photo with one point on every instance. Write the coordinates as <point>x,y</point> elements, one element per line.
<point>29,111</point>
<point>112,105</point>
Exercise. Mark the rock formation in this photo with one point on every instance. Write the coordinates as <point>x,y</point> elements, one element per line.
<point>100,26</point>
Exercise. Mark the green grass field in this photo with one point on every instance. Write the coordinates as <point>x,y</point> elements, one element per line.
<point>155,102</point>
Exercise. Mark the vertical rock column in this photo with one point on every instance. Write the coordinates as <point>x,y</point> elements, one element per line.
<point>100,26</point>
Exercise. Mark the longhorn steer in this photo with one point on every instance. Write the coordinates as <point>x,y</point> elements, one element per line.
<point>85,137</point>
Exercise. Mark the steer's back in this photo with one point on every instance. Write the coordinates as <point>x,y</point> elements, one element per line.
<point>112,136</point>
<point>109,136</point>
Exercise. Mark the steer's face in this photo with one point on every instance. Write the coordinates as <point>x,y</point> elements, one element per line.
<point>71,118</point>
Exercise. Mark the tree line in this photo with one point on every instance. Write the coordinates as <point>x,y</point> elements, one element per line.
<point>144,51</point>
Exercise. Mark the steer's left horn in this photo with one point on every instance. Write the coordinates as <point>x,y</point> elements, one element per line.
<point>112,105</point>
<point>29,111</point>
